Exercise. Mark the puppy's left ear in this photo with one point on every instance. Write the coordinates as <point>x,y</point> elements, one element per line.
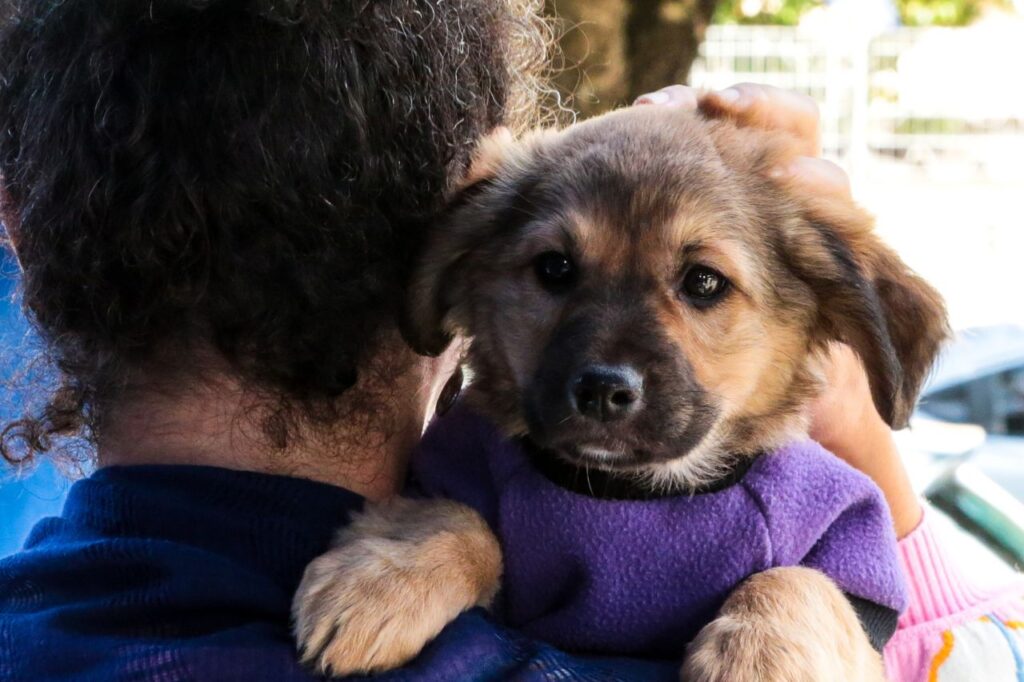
<point>438,278</point>
<point>869,299</point>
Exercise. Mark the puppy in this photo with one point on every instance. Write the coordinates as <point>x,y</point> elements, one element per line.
<point>648,311</point>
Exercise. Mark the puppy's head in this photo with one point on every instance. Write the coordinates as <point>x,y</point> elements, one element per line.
<point>642,298</point>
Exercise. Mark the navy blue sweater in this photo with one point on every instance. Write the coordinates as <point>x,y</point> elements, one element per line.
<point>187,573</point>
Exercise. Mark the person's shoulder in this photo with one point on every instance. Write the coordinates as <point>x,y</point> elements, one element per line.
<point>142,608</point>
<point>462,456</point>
<point>459,431</point>
<point>456,449</point>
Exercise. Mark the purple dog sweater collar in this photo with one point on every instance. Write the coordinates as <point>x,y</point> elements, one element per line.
<point>641,577</point>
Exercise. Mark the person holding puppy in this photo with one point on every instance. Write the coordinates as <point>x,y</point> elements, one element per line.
<point>214,205</point>
<point>646,317</point>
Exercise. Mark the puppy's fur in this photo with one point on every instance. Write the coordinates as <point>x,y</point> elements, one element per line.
<point>783,625</point>
<point>635,198</point>
<point>636,201</point>
<point>408,568</point>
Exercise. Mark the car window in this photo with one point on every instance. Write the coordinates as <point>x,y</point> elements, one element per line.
<point>994,401</point>
<point>951,405</point>
<point>1008,402</point>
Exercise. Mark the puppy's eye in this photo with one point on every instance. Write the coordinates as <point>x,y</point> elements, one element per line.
<point>704,286</point>
<point>555,271</point>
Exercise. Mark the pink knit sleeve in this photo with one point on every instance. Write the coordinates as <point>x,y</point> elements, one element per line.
<point>938,588</point>
<point>953,624</point>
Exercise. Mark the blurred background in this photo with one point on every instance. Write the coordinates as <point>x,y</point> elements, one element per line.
<point>922,103</point>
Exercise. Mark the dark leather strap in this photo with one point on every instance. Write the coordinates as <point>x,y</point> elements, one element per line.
<point>879,622</point>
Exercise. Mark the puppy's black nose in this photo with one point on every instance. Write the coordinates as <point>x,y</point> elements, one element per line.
<point>606,393</point>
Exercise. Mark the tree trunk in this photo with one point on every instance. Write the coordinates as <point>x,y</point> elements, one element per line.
<point>615,50</point>
<point>663,38</point>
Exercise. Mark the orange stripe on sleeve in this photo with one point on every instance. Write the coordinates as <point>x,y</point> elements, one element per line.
<point>940,658</point>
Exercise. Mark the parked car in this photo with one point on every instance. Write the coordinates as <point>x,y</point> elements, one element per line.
<point>979,521</point>
<point>966,445</point>
<point>980,380</point>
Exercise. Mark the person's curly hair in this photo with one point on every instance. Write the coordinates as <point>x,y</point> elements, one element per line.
<point>254,175</point>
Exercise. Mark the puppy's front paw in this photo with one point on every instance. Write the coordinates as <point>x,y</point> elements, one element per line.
<point>398,574</point>
<point>784,625</point>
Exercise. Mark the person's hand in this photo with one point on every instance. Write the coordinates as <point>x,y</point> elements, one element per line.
<point>844,414</point>
<point>845,421</point>
<point>768,108</point>
<point>843,418</point>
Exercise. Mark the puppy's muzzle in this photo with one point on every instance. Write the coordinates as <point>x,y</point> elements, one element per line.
<point>606,393</point>
<point>613,391</point>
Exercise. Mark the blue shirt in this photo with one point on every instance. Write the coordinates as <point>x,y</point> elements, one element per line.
<point>187,573</point>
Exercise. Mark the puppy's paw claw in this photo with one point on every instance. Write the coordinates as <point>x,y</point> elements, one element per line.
<point>783,625</point>
<point>361,619</point>
<point>722,652</point>
<point>399,574</point>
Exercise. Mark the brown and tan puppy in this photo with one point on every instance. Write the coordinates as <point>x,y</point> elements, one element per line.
<point>642,298</point>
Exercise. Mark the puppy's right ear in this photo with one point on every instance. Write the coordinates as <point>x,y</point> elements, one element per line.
<point>438,275</point>
<point>869,299</point>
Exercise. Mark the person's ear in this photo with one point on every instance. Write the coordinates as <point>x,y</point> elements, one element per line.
<point>869,299</point>
<point>437,278</point>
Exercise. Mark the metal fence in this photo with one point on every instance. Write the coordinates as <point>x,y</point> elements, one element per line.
<point>786,58</point>
<point>930,125</point>
<point>920,96</point>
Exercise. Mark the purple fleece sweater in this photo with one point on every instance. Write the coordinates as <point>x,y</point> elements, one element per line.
<point>641,577</point>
